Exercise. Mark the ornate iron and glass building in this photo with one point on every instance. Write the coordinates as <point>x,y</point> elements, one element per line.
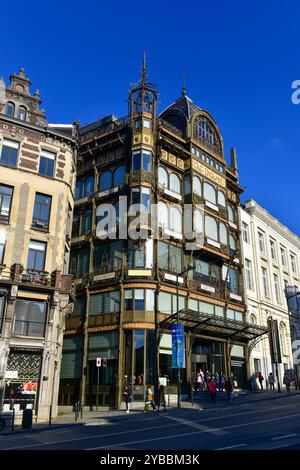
<point>127,290</point>
<point>37,181</point>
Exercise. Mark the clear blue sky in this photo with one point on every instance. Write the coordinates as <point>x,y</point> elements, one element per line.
<point>240,60</point>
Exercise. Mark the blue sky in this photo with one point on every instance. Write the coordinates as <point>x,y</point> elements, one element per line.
<point>239,59</point>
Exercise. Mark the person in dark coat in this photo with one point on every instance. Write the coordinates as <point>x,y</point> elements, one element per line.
<point>127,398</point>
<point>161,398</point>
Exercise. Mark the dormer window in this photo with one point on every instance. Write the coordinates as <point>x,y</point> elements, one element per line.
<point>10,109</point>
<point>22,112</point>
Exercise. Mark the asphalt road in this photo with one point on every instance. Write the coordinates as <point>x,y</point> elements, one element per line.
<point>269,424</point>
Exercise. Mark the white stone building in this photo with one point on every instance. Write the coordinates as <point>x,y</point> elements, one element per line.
<point>271,257</point>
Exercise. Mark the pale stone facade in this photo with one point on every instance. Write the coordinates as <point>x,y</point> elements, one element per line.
<point>37,176</point>
<point>271,257</point>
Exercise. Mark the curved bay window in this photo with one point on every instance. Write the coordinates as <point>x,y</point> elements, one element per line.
<point>205,131</point>
<point>169,257</point>
<point>108,257</point>
<point>142,160</point>
<point>141,195</point>
<point>79,262</point>
<point>140,255</point>
<point>140,299</point>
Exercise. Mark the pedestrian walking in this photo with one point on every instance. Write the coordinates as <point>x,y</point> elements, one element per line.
<point>260,379</point>
<point>197,381</point>
<point>287,382</point>
<point>149,399</point>
<point>127,398</point>
<point>271,380</point>
<point>161,398</point>
<point>221,381</point>
<point>228,388</point>
<point>212,388</point>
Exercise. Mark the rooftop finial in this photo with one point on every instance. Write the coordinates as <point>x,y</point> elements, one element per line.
<point>183,84</point>
<point>144,71</point>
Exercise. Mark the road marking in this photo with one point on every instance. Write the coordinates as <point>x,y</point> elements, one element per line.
<point>146,429</point>
<point>193,433</point>
<point>231,447</point>
<point>283,437</point>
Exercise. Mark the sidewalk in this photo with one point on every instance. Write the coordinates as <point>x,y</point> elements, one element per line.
<point>105,417</point>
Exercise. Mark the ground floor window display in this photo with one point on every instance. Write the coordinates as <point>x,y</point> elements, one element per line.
<point>22,380</point>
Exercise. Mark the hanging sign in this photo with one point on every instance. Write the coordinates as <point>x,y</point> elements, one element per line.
<point>178,350</point>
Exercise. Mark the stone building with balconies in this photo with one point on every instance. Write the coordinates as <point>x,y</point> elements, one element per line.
<point>37,180</point>
<point>186,267</point>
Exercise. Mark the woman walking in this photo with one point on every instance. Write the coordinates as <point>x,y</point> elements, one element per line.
<point>149,399</point>
<point>127,398</point>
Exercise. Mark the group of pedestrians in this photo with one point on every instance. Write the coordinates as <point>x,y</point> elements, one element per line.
<point>149,398</point>
<point>287,381</point>
<point>203,379</point>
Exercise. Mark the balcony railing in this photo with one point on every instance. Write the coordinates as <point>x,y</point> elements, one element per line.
<point>170,128</point>
<point>16,274</point>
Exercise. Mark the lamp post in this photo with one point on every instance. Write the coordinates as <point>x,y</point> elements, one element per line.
<point>188,268</point>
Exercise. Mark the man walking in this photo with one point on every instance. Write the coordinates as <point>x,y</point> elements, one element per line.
<point>212,388</point>
<point>271,380</point>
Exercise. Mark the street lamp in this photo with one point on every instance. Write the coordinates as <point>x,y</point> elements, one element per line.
<point>188,268</point>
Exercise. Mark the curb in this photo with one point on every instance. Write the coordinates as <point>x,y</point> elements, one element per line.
<point>244,402</point>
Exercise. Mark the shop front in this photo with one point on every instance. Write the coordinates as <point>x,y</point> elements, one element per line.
<point>22,380</point>
<point>213,345</point>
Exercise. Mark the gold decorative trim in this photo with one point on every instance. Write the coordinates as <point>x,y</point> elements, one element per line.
<point>208,173</point>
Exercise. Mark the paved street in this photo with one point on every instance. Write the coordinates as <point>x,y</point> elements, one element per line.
<point>261,424</point>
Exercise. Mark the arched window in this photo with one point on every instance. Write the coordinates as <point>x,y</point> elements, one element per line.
<point>221,199</point>
<point>10,109</point>
<point>89,185</point>
<point>86,222</point>
<point>231,214</point>
<point>78,189</point>
<point>198,221</point>
<point>105,181</point>
<point>119,176</point>
<point>174,183</point>
<point>163,214</point>
<point>253,319</point>
<point>163,178</point>
<point>22,112</point>
<point>205,132</point>
<point>175,220</point>
<point>232,242</point>
<point>223,234</point>
<point>211,228</point>
<point>197,189</point>
<point>210,193</point>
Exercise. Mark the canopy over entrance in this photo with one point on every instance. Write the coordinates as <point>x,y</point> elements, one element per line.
<point>211,325</point>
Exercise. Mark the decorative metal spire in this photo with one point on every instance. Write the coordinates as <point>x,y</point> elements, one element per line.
<point>144,71</point>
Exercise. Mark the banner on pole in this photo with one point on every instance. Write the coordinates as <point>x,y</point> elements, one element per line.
<point>178,349</point>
